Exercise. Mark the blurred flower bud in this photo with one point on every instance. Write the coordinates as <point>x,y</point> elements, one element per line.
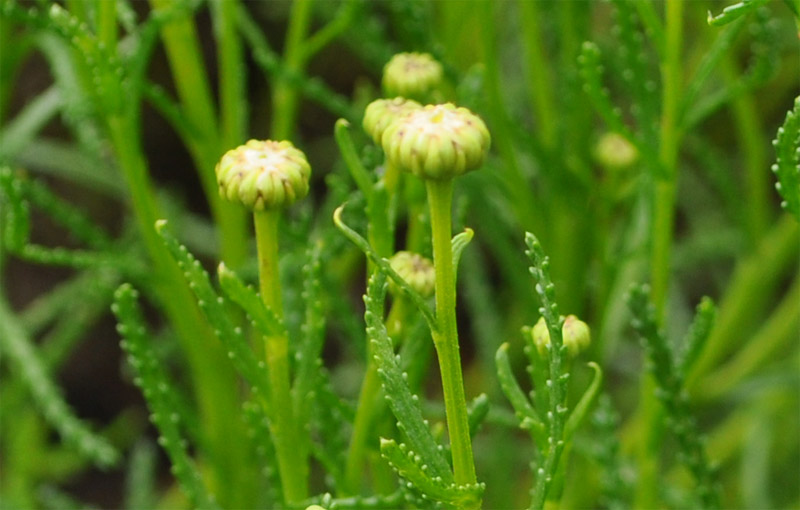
<point>412,75</point>
<point>263,175</point>
<point>382,112</point>
<point>437,142</point>
<point>416,270</point>
<point>575,332</point>
<point>614,151</point>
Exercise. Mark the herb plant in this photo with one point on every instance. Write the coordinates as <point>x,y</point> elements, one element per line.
<point>579,287</point>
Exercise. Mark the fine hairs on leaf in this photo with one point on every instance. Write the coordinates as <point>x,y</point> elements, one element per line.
<point>152,380</point>
<point>405,405</point>
<point>787,167</point>
<point>671,394</point>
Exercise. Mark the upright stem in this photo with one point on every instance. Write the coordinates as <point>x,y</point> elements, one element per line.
<point>291,458</point>
<point>284,96</point>
<point>662,227</point>
<point>440,195</point>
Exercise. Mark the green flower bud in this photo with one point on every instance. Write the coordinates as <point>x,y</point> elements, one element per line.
<point>382,112</point>
<point>412,75</point>
<point>263,175</point>
<point>416,270</point>
<point>438,142</point>
<point>575,332</point>
<point>614,151</point>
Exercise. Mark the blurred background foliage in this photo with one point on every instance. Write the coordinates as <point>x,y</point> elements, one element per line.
<point>83,114</point>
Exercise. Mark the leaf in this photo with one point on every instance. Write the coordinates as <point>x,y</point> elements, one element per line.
<point>527,416</point>
<point>698,334</point>
<point>212,305</point>
<point>787,167</point>
<point>411,467</point>
<point>477,411</point>
<point>459,242</point>
<point>405,405</point>
<point>585,403</point>
<point>733,12</point>
<point>347,149</point>
<point>265,321</point>
<point>386,268</point>
<point>25,360</point>
<point>158,393</point>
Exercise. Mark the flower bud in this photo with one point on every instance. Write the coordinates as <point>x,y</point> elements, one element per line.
<point>437,142</point>
<point>614,151</point>
<point>575,332</point>
<point>382,112</point>
<point>263,175</point>
<point>416,270</point>
<point>412,75</point>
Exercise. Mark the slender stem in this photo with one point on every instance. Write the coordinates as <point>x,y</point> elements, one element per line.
<point>107,24</point>
<point>539,72</point>
<point>440,195</point>
<point>291,458</point>
<point>284,97</point>
<point>651,426</point>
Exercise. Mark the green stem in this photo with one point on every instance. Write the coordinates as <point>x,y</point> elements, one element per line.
<point>284,96</point>
<point>440,196</point>
<point>214,379</point>
<point>188,70</point>
<point>539,73</point>
<point>291,459</point>
<point>651,427</point>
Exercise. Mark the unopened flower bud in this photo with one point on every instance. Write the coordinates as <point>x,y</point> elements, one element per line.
<point>416,270</point>
<point>382,112</point>
<point>614,151</point>
<point>264,175</point>
<point>575,333</point>
<point>412,75</point>
<point>437,142</point>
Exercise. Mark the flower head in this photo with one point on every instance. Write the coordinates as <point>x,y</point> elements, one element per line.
<point>576,334</point>
<point>416,270</point>
<point>382,112</point>
<point>437,142</point>
<point>412,75</point>
<point>263,174</point>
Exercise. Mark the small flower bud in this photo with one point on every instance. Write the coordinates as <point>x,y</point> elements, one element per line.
<point>382,112</point>
<point>416,270</point>
<point>412,75</point>
<point>263,175</point>
<point>437,142</point>
<point>614,151</point>
<point>576,335</point>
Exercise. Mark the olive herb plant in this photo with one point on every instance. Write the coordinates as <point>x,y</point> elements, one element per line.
<point>629,139</point>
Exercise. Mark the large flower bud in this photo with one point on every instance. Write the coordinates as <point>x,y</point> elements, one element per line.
<point>380,113</point>
<point>575,332</point>
<point>438,142</point>
<point>416,270</point>
<point>412,75</point>
<point>264,175</point>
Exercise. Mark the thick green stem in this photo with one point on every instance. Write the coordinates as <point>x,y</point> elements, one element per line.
<point>292,462</point>
<point>440,195</point>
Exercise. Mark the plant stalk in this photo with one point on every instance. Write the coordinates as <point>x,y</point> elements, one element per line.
<point>292,462</point>
<point>440,195</point>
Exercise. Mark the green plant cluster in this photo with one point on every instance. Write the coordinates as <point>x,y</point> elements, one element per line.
<point>604,166</point>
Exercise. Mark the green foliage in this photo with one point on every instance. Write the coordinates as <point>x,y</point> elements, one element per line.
<point>113,114</point>
<point>152,379</point>
<point>670,390</point>
<point>787,168</point>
